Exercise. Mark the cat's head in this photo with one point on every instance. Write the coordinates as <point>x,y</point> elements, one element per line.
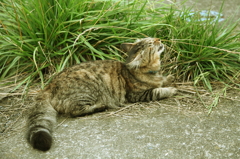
<point>144,53</point>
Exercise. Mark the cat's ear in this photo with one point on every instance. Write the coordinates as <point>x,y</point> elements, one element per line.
<point>126,47</point>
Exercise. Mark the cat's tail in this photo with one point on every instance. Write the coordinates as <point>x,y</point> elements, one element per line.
<point>41,120</point>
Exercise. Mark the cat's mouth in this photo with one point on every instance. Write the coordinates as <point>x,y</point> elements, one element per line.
<point>161,48</point>
<point>157,42</point>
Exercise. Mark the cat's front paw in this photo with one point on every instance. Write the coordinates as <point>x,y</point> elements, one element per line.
<point>170,78</point>
<point>164,92</point>
<point>173,90</point>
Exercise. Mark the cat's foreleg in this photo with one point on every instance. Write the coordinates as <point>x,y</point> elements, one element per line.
<point>159,93</point>
<point>151,94</point>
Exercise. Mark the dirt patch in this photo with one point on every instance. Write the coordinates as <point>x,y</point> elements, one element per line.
<point>14,107</point>
<point>188,101</point>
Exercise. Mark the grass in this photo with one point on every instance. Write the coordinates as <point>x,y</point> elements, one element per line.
<point>40,38</point>
<point>206,50</point>
<point>58,34</point>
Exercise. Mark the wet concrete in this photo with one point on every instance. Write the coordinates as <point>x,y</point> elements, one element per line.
<point>230,8</point>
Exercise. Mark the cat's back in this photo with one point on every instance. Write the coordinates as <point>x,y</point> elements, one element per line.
<point>88,79</point>
<point>91,68</point>
<point>88,74</point>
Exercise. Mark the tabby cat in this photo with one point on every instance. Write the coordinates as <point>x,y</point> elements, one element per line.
<point>97,85</point>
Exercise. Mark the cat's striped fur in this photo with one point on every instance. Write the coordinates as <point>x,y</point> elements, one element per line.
<point>97,85</point>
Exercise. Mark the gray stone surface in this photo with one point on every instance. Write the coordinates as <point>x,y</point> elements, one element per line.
<point>160,133</point>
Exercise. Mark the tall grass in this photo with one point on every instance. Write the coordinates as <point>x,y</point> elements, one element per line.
<point>39,38</point>
<point>205,51</point>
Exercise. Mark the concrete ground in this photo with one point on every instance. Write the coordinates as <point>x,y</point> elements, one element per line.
<point>172,128</point>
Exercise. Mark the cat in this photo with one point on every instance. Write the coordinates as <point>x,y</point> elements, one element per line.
<point>94,86</point>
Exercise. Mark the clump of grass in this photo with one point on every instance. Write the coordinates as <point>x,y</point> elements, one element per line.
<point>40,37</point>
<point>205,51</point>
<point>43,37</point>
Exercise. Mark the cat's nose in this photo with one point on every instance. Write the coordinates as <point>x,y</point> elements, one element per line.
<point>156,40</point>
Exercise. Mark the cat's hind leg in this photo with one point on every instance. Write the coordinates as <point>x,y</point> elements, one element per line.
<point>80,110</point>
